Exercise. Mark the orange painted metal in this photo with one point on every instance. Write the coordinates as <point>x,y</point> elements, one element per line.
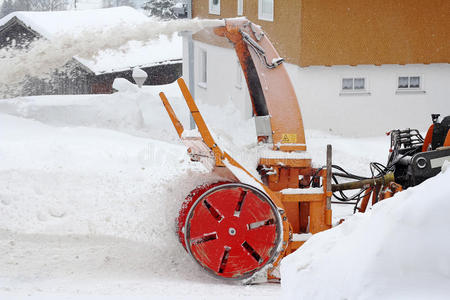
<point>282,104</point>
<point>202,128</point>
<point>314,216</point>
<point>447,140</point>
<point>221,157</point>
<point>291,162</point>
<point>176,123</point>
<point>294,245</point>
<point>303,198</point>
<point>303,210</point>
<point>286,122</point>
<point>365,200</point>
<point>379,193</point>
<point>390,190</point>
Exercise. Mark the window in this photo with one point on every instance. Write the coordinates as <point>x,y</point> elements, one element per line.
<point>354,85</point>
<point>265,10</point>
<point>214,7</point>
<point>238,75</point>
<point>240,7</point>
<point>203,68</point>
<point>410,84</point>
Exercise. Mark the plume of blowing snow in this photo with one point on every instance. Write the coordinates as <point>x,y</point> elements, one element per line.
<point>45,56</point>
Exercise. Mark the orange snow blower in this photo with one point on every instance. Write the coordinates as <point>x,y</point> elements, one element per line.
<point>243,225</point>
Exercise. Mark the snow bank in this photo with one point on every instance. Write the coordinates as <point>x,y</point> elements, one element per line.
<point>90,187</point>
<point>113,112</point>
<point>398,250</point>
<point>128,132</point>
<point>89,197</point>
<point>131,110</point>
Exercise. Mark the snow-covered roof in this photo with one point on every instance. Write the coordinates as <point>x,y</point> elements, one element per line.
<point>52,24</point>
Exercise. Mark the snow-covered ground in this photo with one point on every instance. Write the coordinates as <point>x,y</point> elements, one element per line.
<point>90,187</point>
<point>89,191</point>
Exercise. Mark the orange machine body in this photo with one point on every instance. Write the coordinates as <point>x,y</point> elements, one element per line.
<point>298,200</point>
<point>307,212</point>
<point>271,89</point>
<point>301,193</point>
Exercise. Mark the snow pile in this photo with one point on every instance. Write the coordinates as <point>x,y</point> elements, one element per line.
<point>398,250</point>
<point>90,186</point>
<point>114,112</point>
<point>163,50</point>
<point>88,208</point>
<point>131,110</point>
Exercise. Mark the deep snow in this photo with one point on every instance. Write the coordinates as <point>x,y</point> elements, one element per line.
<point>90,187</point>
<point>88,201</point>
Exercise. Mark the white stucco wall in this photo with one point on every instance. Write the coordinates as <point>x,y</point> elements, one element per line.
<point>319,92</point>
<point>222,84</point>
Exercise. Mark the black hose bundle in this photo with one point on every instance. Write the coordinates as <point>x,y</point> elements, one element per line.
<point>377,170</point>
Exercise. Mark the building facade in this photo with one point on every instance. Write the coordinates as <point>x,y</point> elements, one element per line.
<point>358,67</point>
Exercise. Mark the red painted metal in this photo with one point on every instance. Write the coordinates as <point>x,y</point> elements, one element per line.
<point>187,204</point>
<point>232,230</point>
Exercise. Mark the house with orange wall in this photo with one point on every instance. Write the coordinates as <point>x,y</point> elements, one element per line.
<point>358,67</point>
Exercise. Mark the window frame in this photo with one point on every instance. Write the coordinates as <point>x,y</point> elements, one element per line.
<point>240,7</point>
<point>353,91</point>
<point>265,17</point>
<point>214,9</point>
<point>410,90</point>
<point>202,68</point>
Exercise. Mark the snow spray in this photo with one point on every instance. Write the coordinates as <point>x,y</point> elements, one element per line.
<point>43,57</point>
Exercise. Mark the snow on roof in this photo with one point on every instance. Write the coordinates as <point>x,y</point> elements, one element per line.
<point>75,22</point>
<point>136,54</point>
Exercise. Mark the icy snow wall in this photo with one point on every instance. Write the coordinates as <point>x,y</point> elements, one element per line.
<point>398,250</point>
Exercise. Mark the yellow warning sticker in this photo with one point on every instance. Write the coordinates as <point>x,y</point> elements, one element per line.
<point>289,138</point>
